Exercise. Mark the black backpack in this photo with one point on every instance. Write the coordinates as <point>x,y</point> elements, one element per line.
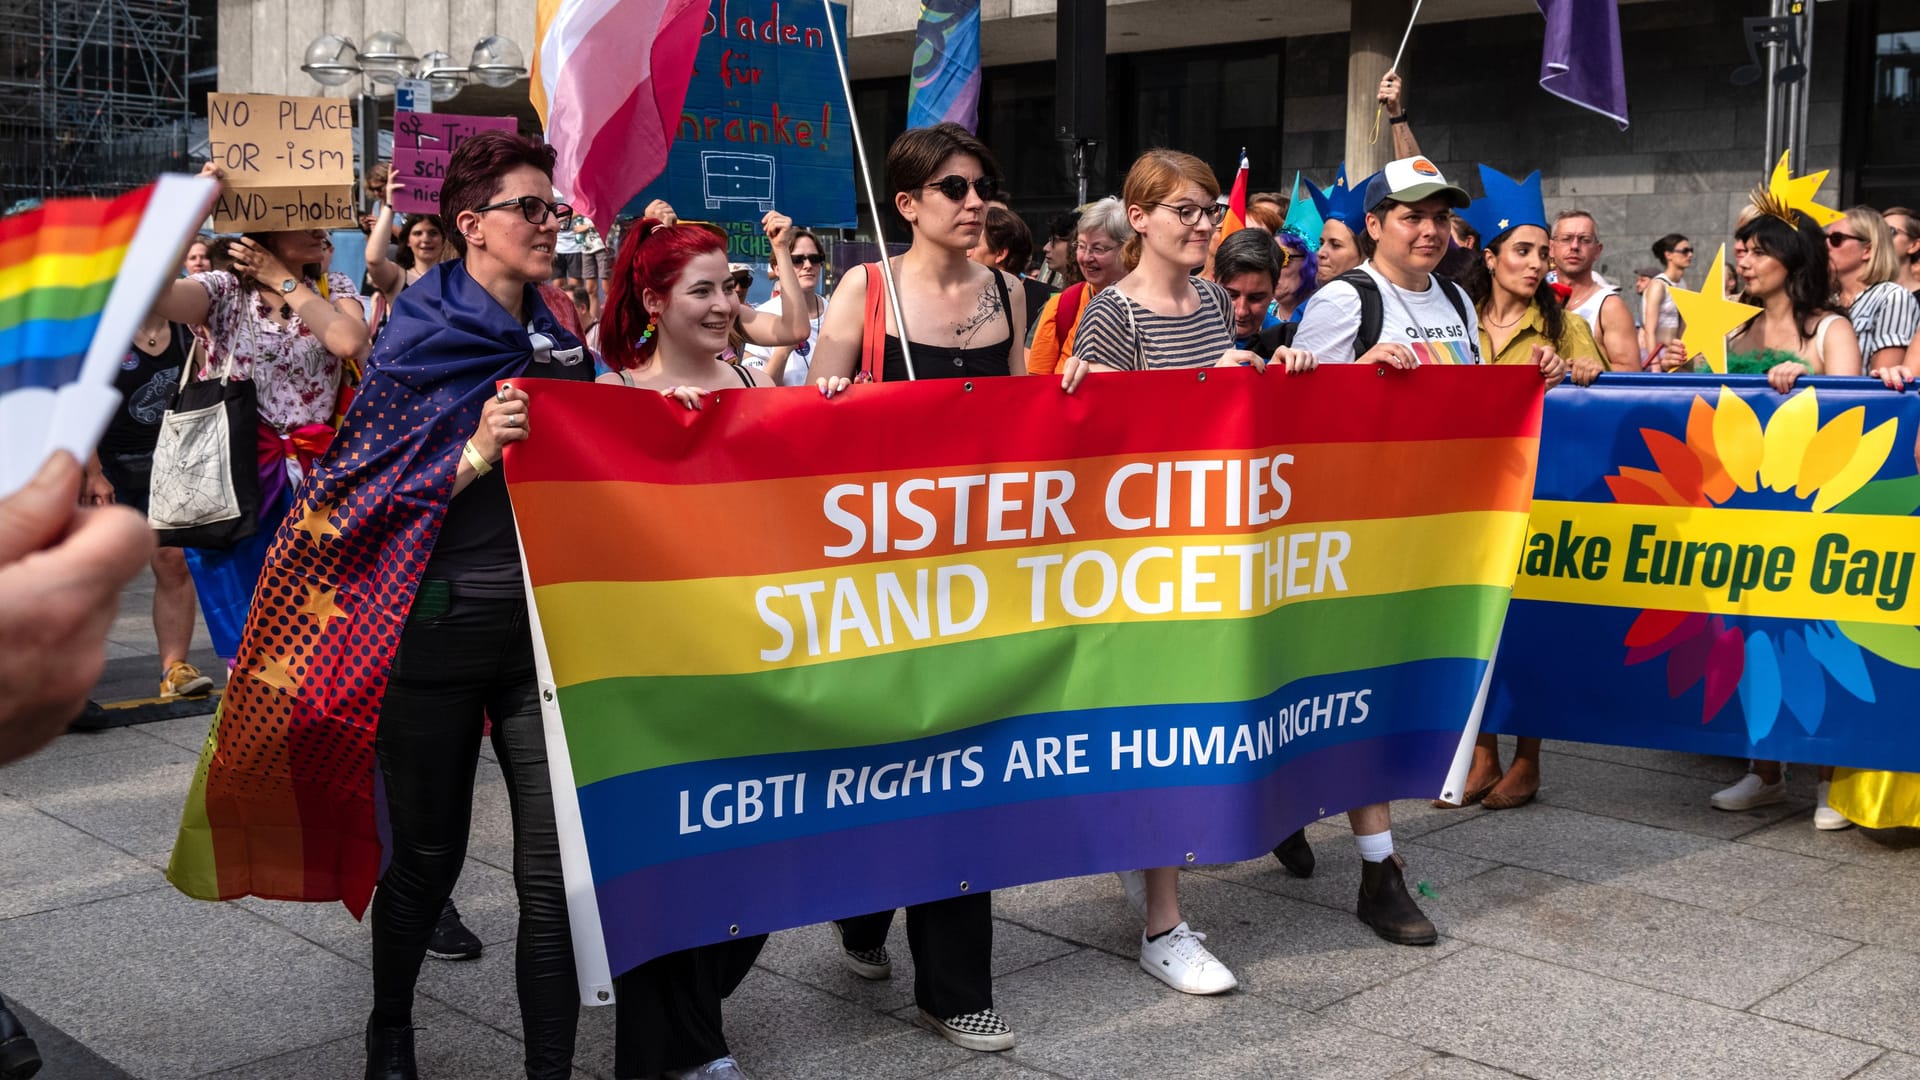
<point>1371,308</point>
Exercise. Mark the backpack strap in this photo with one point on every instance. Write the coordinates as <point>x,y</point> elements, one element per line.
<point>1458,296</point>
<point>1371,309</point>
<point>1067,310</point>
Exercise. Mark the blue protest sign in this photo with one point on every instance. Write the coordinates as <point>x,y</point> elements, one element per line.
<point>764,124</point>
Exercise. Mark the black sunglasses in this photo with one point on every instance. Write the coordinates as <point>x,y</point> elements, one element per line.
<point>1835,239</point>
<point>1683,251</point>
<point>809,260</point>
<point>532,207</point>
<point>955,187</point>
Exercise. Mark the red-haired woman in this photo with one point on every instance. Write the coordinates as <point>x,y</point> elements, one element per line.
<point>669,310</point>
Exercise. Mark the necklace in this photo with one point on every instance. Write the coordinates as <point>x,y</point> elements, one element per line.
<point>1488,319</point>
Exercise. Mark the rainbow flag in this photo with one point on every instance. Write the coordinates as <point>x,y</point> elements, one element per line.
<point>982,634</point>
<point>58,262</point>
<point>68,311</point>
<point>1236,218</point>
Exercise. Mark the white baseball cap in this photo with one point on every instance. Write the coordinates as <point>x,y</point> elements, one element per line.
<point>1411,179</point>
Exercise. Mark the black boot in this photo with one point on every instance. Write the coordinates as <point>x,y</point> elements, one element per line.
<point>19,1058</point>
<point>1296,855</point>
<point>1386,906</point>
<point>390,1053</point>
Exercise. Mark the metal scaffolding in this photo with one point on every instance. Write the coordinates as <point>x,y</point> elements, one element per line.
<point>93,95</point>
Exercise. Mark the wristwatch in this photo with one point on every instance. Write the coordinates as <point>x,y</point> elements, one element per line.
<point>287,287</point>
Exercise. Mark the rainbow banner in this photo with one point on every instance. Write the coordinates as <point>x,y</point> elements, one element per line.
<point>1716,568</point>
<point>819,658</point>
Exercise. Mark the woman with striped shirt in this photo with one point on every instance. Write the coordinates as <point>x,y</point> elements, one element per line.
<point>1160,316</point>
<point>1885,316</point>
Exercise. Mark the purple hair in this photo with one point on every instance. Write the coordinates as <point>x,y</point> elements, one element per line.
<point>1309,263</point>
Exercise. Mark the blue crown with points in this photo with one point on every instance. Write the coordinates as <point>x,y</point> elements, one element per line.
<point>1508,204</point>
<point>1303,216</point>
<point>1343,202</point>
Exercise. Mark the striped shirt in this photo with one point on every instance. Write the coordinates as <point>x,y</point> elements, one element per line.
<point>1118,333</point>
<point>1885,316</point>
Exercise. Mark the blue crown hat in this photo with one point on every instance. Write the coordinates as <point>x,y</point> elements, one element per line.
<point>1343,202</point>
<point>1303,215</point>
<point>1508,204</point>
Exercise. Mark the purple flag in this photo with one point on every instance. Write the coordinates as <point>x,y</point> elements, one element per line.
<point>1580,60</point>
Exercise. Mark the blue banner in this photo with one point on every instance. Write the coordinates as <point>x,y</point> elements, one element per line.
<point>1717,568</point>
<point>764,126</point>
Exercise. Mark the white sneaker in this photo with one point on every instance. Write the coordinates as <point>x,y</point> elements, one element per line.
<point>1179,960</point>
<point>1825,817</point>
<point>1135,882</point>
<point>1750,792</point>
<point>718,1069</point>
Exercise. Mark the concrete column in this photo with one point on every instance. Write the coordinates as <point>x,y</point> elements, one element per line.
<point>1376,29</point>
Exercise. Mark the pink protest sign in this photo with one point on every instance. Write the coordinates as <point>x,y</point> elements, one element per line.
<point>423,143</point>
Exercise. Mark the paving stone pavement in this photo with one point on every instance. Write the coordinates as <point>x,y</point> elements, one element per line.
<point>1618,927</point>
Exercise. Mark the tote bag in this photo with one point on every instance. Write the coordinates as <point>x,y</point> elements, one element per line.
<point>206,481</point>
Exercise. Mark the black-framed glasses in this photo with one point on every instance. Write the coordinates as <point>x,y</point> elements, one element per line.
<point>809,260</point>
<point>1190,215</point>
<point>1835,239</point>
<point>532,207</point>
<point>955,186</point>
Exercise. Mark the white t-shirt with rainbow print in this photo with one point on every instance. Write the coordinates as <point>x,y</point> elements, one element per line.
<point>1425,321</point>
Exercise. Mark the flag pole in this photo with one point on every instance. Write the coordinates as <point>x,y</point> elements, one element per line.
<point>866,179</point>
<point>1397,54</point>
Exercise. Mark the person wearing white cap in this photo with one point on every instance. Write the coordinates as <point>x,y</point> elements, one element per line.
<point>1394,310</point>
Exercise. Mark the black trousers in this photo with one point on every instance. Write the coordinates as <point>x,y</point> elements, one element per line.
<point>952,945</point>
<point>667,1010</point>
<point>461,662</point>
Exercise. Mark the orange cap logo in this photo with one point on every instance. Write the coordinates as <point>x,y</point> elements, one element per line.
<point>1424,167</point>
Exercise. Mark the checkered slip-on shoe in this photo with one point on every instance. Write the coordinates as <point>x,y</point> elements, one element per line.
<point>872,964</point>
<point>983,1030</point>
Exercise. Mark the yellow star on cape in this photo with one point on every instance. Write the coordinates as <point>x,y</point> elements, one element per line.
<point>1799,192</point>
<point>319,604</point>
<point>1709,315</point>
<point>315,522</point>
<point>275,673</point>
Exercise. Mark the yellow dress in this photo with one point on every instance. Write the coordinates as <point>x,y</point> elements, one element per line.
<point>1875,798</point>
<point>1576,339</point>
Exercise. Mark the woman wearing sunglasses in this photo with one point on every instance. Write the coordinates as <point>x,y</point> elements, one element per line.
<point>464,654</point>
<point>1161,317</point>
<point>961,321</point>
<point>1660,317</point>
<point>793,365</point>
<point>1866,270</point>
<point>961,324</point>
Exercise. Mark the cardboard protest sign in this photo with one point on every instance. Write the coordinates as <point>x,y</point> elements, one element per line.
<point>764,124</point>
<point>423,143</point>
<point>288,160</point>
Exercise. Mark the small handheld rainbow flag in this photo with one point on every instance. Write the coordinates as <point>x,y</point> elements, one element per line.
<point>1236,218</point>
<point>76,278</point>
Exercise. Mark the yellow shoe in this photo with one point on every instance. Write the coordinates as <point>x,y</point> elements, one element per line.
<point>184,680</point>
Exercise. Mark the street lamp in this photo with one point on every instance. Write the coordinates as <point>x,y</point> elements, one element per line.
<point>333,60</point>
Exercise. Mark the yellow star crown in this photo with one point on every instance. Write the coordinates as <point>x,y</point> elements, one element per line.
<point>1709,315</point>
<point>1796,193</point>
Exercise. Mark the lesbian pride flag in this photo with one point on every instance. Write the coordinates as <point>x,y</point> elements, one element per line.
<point>816,658</point>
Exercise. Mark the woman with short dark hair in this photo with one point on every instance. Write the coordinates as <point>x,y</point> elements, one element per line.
<point>465,654</point>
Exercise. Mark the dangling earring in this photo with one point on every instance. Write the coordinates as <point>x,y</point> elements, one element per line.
<point>647,334</point>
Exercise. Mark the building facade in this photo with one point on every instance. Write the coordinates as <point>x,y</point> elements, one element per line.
<point>1212,76</point>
